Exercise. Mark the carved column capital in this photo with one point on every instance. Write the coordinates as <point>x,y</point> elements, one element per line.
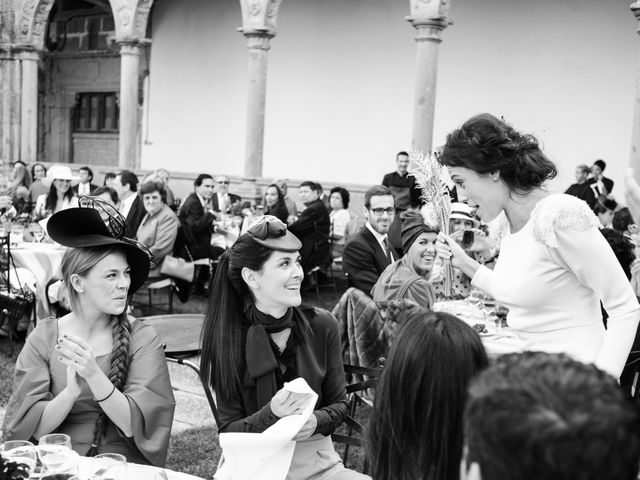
<point>260,14</point>
<point>429,29</point>
<point>635,9</point>
<point>130,46</point>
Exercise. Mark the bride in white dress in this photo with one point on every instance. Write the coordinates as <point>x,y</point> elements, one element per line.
<point>555,266</point>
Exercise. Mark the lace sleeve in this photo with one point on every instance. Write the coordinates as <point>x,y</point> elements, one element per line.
<point>561,212</point>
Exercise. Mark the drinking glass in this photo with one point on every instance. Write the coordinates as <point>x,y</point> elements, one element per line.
<point>54,451</point>
<point>475,299</point>
<point>20,451</point>
<point>109,466</point>
<point>17,234</point>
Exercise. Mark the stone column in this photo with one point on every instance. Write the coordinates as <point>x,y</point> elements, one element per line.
<point>634,158</point>
<point>29,106</point>
<point>130,52</point>
<point>258,43</point>
<point>9,106</point>
<point>429,19</point>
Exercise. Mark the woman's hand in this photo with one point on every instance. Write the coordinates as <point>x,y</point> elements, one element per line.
<point>307,429</point>
<point>73,387</point>
<point>448,248</point>
<point>77,354</point>
<point>285,403</point>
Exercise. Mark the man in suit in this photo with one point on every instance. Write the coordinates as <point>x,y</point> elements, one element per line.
<point>312,228</point>
<point>368,252</point>
<point>131,207</point>
<point>222,200</point>
<point>581,188</point>
<point>196,219</point>
<point>85,187</point>
<point>600,184</point>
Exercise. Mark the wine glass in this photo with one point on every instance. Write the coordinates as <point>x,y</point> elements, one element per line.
<point>474,299</point>
<point>54,450</point>
<point>20,451</point>
<point>109,466</point>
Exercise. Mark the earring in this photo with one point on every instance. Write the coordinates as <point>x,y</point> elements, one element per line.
<point>495,179</point>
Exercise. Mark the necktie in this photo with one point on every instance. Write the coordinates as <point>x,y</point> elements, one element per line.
<point>387,249</point>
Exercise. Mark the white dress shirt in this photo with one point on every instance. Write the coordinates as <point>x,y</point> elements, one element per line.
<point>382,239</point>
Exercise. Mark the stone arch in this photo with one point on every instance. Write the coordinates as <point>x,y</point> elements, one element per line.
<point>131,18</point>
<point>32,22</point>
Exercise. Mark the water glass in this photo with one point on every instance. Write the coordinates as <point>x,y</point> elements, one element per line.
<point>109,466</point>
<point>37,232</point>
<point>17,234</point>
<point>20,451</point>
<point>54,451</point>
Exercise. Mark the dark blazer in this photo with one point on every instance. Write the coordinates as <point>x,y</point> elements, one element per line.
<point>312,228</point>
<point>214,201</point>
<point>363,260</point>
<point>92,188</point>
<point>197,226</point>
<point>135,216</point>
<point>607,182</point>
<point>583,191</point>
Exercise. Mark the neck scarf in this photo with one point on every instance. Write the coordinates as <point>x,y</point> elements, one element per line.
<point>261,360</point>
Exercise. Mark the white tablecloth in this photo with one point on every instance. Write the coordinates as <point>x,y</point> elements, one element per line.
<point>496,341</point>
<point>135,471</point>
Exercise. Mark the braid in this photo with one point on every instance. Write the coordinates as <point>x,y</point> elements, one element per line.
<point>117,371</point>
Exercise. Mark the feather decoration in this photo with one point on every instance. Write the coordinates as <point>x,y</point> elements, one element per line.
<point>428,174</point>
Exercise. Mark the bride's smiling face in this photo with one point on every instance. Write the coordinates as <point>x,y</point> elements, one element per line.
<point>486,191</point>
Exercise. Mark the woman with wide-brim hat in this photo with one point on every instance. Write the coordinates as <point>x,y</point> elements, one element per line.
<point>95,374</point>
<point>60,195</point>
<point>257,336</point>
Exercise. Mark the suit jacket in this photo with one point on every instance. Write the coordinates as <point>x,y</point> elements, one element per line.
<point>233,198</point>
<point>364,260</point>
<point>197,226</point>
<point>584,192</point>
<point>312,228</point>
<point>92,187</point>
<point>134,217</point>
<point>607,182</point>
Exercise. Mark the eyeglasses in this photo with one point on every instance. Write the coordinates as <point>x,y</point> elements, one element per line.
<point>379,211</point>
<point>224,182</point>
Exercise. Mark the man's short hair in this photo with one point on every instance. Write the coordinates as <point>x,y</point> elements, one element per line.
<point>600,163</point>
<point>401,153</point>
<point>88,170</point>
<point>535,415</point>
<point>375,191</point>
<point>312,185</point>
<point>584,168</point>
<point>127,176</point>
<point>200,178</point>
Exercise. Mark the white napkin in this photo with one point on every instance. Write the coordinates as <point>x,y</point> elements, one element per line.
<point>266,455</point>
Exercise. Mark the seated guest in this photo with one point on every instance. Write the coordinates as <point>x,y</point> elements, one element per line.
<point>408,278</point>
<point>340,219</point>
<point>37,188</point>
<point>415,430</point>
<point>84,186</point>
<point>131,208</point>
<point>601,185</point>
<point>107,194</point>
<point>21,201</point>
<point>60,195</point>
<point>292,208</point>
<point>312,228</point>
<point>537,415</point>
<point>197,220</point>
<point>20,177</point>
<point>222,201</point>
<point>159,227</point>
<point>368,252</point>
<point>109,178</point>
<point>604,210</point>
<point>582,189</point>
<point>274,203</point>
<point>95,374</point>
<point>624,223</point>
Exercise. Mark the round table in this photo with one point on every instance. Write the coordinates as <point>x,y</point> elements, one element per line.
<point>139,472</point>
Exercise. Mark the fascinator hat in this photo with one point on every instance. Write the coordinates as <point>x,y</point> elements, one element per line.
<point>272,233</point>
<point>95,224</point>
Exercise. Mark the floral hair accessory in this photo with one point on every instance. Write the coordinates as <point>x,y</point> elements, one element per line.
<point>272,233</point>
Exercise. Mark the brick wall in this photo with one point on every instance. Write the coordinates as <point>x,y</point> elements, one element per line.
<point>95,148</point>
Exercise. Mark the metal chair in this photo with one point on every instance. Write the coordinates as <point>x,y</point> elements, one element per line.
<point>180,334</point>
<point>153,287</point>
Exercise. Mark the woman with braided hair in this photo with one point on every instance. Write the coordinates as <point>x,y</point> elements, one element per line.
<point>554,266</point>
<point>95,374</point>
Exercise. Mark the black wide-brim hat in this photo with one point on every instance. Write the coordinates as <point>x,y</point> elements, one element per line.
<point>83,227</point>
